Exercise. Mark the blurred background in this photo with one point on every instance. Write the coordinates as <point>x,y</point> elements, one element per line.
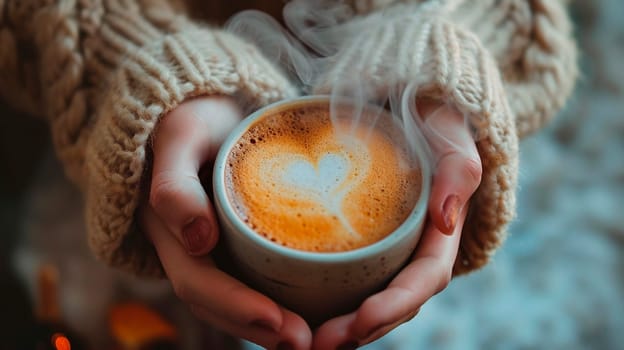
<point>558,282</point>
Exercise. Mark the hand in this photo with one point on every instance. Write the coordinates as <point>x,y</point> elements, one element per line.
<point>181,223</point>
<point>457,175</point>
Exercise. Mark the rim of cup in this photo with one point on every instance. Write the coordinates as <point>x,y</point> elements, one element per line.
<point>412,223</point>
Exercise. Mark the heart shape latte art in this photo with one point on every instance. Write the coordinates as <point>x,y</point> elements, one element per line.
<point>298,182</point>
<point>320,180</point>
<point>313,186</point>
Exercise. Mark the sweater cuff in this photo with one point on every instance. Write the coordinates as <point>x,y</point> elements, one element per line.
<point>153,78</point>
<point>448,63</point>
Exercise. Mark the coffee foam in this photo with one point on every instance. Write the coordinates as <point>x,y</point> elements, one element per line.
<point>308,182</point>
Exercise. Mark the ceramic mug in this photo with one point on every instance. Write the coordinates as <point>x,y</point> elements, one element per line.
<point>317,286</point>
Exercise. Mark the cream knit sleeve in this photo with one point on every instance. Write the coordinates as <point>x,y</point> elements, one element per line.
<point>508,65</point>
<point>103,72</point>
<point>536,54</point>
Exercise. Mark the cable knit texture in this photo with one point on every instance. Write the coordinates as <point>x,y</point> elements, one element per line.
<point>103,72</point>
<point>508,65</point>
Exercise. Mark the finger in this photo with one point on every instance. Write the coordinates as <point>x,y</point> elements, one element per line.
<point>294,334</point>
<point>263,336</point>
<point>457,172</point>
<point>383,330</point>
<point>197,281</point>
<point>428,273</point>
<point>335,334</point>
<point>183,141</point>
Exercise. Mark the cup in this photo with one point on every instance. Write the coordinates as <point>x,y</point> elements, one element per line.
<point>316,285</point>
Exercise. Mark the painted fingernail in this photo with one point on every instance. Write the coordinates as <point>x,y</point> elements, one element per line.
<point>450,211</point>
<point>197,235</point>
<point>285,346</point>
<point>264,324</point>
<point>348,345</point>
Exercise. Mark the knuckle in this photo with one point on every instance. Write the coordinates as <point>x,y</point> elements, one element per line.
<point>446,275</point>
<point>408,292</point>
<point>372,303</point>
<point>473,169</point>
<point>164,190</point>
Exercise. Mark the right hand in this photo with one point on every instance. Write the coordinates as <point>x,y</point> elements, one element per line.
<point>180,221</point>
<point>457,174</point>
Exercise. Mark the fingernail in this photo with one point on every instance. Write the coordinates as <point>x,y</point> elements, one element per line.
<point>348,345</point>
<point>285,346</point>
<point>197,235</point>
<point>450,211</point>
<point>264,324</point>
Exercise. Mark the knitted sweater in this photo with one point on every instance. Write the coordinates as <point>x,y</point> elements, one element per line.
<point>102,73</point>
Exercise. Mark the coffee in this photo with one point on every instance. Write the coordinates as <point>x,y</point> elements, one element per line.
<point>317,183</point>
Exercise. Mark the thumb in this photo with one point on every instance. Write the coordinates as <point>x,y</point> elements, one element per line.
<point>184,140</point>
<point>457,170</point>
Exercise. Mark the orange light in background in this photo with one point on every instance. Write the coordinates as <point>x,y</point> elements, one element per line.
<point>60,342</point>
<point>134,325</point>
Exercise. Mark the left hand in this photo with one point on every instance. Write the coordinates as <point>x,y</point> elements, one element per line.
<point>179,220</point>
<point>456,176</point>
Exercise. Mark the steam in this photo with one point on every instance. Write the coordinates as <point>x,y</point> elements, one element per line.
<point>316,33</point>
<point>278,45</point>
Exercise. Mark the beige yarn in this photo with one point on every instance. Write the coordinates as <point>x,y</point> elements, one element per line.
<point>103,72</point>
<point>508,64</point>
